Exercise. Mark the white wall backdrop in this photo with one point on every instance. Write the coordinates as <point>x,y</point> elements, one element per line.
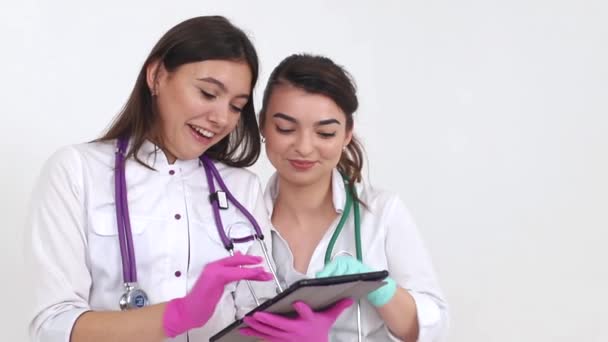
<point>488,117</point>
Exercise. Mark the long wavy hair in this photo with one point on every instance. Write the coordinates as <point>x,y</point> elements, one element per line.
<point>194,40</point>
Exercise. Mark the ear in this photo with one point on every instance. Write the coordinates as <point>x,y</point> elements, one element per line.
<point>263,132</point>
<point>348,137</point>
<point>153,74</point>
<point>263,127</point>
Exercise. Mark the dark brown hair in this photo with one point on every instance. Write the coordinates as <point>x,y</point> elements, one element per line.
<point>194,40</point>
<point>320,75</point>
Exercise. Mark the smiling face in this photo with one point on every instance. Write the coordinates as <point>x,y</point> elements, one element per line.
<point>198,104</point>
<point>305,134</point>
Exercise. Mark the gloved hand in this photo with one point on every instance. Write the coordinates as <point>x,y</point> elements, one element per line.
<point>308,326</point>
<point>344,264</point>
<point>195,309</point>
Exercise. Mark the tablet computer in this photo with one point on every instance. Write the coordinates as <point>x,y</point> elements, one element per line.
<point>318,293</point>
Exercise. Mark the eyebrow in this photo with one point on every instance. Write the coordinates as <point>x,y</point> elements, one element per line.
<point>284,117</point>
<point>292,119</point>
<point>327,122</point>
<point>221,85</point>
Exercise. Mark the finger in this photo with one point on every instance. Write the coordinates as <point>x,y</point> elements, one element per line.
<point>255,273</point>
<point>328,270</point>
<point>280,322</point>
<point>239,259</point>
<point>269,330</point>
<point>254,333</point>
<point>358,267</point>
<point>343,267</point>
<point>323,273</point>
<point>303,310</point>
<point>339,307</point>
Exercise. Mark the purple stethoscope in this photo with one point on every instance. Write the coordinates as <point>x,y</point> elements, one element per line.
<point>134,297</point>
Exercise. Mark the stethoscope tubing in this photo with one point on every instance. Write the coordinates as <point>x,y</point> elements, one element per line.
<point>125,235</point>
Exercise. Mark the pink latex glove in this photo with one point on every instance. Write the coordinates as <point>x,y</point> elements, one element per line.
<point>308,326</point>
<point>195,309</point>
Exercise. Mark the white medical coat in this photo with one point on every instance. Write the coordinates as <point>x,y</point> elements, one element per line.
<point>390,241</point>
<point>74,249</point>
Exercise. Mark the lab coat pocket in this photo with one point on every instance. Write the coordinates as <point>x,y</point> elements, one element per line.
<point>104,248</point>
<point>106,224</point>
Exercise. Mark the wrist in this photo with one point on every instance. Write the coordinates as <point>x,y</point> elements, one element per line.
<point>174,322</point>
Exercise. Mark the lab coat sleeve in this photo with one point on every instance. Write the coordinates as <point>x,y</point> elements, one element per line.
<point>410,265</point>
<point>263,290</point>
<point>56,249</point>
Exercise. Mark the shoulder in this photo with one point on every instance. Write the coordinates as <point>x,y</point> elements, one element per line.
<point>238,178</point>
<point>63,156</point>
<point>235,172</point>
<point>70,161</point>
<point>61,172</point>
<point>65,159</point>
<point>82,153</point>
<point>382,202</point>
<point>97,152</point>
<point>377,198</point>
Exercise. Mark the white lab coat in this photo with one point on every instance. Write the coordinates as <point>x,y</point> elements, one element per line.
<point>74,249</point>
<point>390,241</point>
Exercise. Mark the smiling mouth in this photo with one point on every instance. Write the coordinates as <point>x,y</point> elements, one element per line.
<point>302,164</point>
<point>202,132</point>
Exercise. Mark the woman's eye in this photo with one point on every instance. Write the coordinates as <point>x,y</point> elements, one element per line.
<point>208,95</point>
<point>327,135</point>
<point>236,109</point>
<point>284,130</point>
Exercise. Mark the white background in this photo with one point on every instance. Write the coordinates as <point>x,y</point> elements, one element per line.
<point>488,117</point>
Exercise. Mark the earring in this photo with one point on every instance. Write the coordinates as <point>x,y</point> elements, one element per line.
<point>263,140</point>
<point>153,92</point>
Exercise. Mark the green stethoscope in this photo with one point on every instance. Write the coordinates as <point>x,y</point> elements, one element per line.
<point>349,204</point>
<point>357,215</point>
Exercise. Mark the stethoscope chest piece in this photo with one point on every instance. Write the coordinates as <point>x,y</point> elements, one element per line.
<point>133,298</point>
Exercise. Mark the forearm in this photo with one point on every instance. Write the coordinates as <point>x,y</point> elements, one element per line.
<point>141,325</point>
<point>400,316</point>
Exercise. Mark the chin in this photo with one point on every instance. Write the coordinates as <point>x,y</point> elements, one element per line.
<point>301,178</point>
<point>190,154</point>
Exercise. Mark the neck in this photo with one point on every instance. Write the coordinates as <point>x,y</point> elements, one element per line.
<point>156,140</point>
<point>170,158</point>
<point>304,202</point>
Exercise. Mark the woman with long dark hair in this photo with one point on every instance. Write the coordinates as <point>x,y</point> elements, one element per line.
<point>327,222</point>
<point>133,221</point>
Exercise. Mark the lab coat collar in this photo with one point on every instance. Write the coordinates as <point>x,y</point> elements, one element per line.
<point>337,190</point>
<point>151,154</point>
